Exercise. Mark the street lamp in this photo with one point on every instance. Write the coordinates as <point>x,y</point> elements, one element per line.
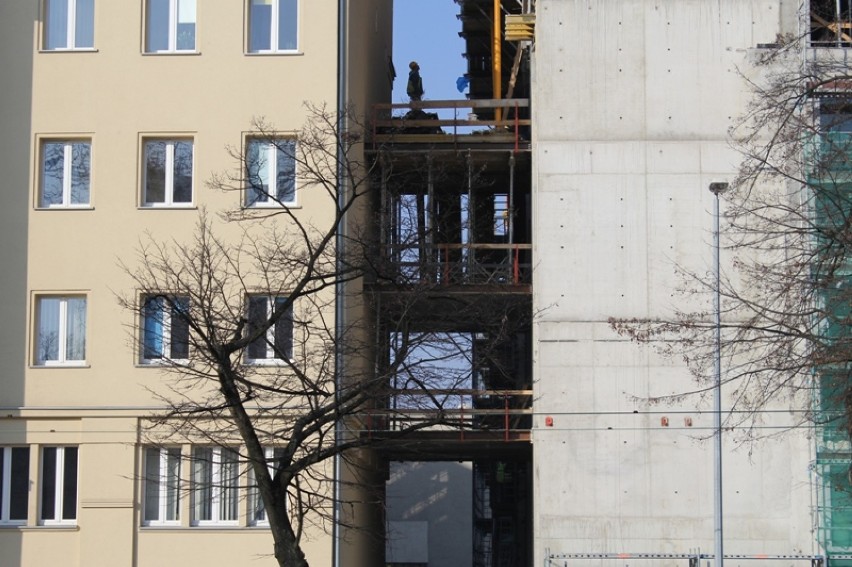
<point>717,189</point>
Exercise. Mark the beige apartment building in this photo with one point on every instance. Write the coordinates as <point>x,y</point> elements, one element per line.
<point>116,114</point>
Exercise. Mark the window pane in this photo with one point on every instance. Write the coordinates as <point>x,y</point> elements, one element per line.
<point>257,312</point>
<point>81,158</point>
<point>84,35</point>
<point>285,180</point>
<point>180,328</point>
<point>48,483</point>
<point>155,172</point>
<point>182,172</point>
<point>202,480</point>
<point>287,24</point>
<point>47,339</point>
<point>152,485</point>
<point>229,472</point>
<point>260,25</point>
<point>69,484</point>
<point>19,489</point>
<point>186,25</point>
<point>152,342</point>
<point>157,26</point>
<point>75,342</point>
<point>257,172</point>
<point>56,24</point>
<point>284,332</point>
<point>3,465</point>
<point>52,173</point>
<point>172,484</point>
<point>257,512</point>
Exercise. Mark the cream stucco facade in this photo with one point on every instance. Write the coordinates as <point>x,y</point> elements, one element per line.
<point>112,92</point>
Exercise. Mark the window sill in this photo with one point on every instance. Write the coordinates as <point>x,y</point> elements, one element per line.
<point>160,363</point>
<point>169,53</point>
<point>42,528</point>
<point>291,53</point>
<point>67,208</point>
<point>65,365</point>
<point>271,362</point>
<point>273,206</point>
<point>159,207</point>
<point>70,50</point>
<point>189,529</point>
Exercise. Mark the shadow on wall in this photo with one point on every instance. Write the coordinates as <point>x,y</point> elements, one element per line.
<point>430,514</point>
<point>17,30</point>
<point>18,25</point>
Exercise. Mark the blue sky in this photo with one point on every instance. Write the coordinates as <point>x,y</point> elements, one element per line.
<point>426,31</point>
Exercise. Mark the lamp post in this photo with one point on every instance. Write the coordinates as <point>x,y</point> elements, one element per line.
<point>717,189</point>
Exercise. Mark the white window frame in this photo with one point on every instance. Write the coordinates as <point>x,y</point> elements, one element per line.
<point>57,477</point>
<point>6,486</point>
<point>274,30</point>
<point>70,30</point>
<point>270,358</point>
<point>165,331</point>
<point>62,354</point>
<point>172,29</point>
<point>169,183</point>
<point>270,149</point>
<point>68,162</point>
<point>163,480</point>
<point>255,500</point>
<point>217,488</point>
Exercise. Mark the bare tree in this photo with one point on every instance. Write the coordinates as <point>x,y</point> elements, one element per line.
<point>787,292</point>
<point>251,345</point>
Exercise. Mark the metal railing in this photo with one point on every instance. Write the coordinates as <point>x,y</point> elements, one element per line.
<point>466,264</point>
<point>386,127</point>
<point>462,411</point>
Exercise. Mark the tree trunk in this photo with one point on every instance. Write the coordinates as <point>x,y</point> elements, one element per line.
<point>288,553</point>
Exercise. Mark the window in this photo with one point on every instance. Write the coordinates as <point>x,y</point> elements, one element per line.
<point>278,340</point>
<point>162,486</point>
<point>69,24</point>
<point>215,475</point>
<point>273,26</point>
<point>257,510</point>
<point>14,484</point>
<point>58,485</point>
<point>65,173</point>
<point>271,172</point>
<point>165,330</point>
<point>170,26</point>
<point>168,173</point>
<point>60,330</point>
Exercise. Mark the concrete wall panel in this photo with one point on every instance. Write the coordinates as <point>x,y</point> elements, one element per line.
<point>634,100</point>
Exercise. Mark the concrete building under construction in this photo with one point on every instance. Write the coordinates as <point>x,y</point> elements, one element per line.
<point>510,228</point>
<point>585,200</point>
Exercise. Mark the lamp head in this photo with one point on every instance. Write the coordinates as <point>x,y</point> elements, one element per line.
<point>718,187</point>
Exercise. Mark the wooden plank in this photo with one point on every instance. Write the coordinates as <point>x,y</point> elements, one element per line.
<point>445,138</point>
<point>844,36</point>
<point>483,246</point>
<point>479,103</point>
<point>405,123</point>
<point>466,391</point>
